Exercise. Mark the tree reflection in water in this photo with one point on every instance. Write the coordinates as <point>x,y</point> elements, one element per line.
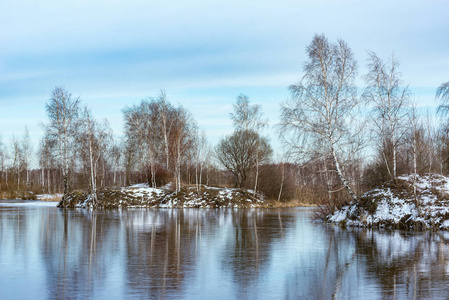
<point>414,264</point>
<point>216,253</point>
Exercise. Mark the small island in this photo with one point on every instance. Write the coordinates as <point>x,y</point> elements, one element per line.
<point>412,202</point>
<point>143,196</point>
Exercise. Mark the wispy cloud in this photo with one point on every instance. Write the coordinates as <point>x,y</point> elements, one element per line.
<point>203,53</point>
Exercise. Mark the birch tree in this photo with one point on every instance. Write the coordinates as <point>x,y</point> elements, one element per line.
<point>46,163</point>
<point>3,164</point>
<point>182,138</point>
<point>116,154</point>
<point>141,127</point>
<point>27,151</point>
<point>413,120</point>
<point>390,101</point>
<point>17,157</point>
<point>202,151</point>
<point>443,95</point>
<point>247,117</point>
<point>92,138</point>
<point>165,118</point>
<point>62,111</point>
<point>316,122</point>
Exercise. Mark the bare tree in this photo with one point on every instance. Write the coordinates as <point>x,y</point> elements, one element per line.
<point>390,101</point>
<point>91,138</point>
<point>248,118</point>
<point>316,122</point>
<point>413,120</point>
<point>165,123</point>
<point>4,157</point>
<point>141,126</point>
<point>116,154</point>
<point>182,136</point>
<point>443,94</point>
<point>17,156</point>
<point>129,149</point>
<point>237,153</point>
<point>62,112</point>
<point>46,162</point>
<point>202,151</point>
<point>27,154</point>
<point>431,139</point>
<point>163,135</point>
<point>281,165</point>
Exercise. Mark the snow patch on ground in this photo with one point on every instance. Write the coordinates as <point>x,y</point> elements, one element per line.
<point>401,206</point>
<point>139,185</point>
<point>141,195</point>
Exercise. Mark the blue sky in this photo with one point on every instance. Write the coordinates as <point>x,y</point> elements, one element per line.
<point>202,53</point>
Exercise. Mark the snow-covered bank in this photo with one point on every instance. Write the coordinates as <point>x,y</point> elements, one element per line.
<point>141,196</point>
<point>400,205</point>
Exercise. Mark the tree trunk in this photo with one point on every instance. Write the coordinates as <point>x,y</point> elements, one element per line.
<point>18,177</point>
<point>257,171</point>
<point>153,171</point>
<point>386,164</point>
<point>394,156</point>
<point>341,176</point>
<point>282,181</point>
<point>92,174</point>
<point>414,165</point>
<point>201,172</point>
<point>196,178</point>
<point>48,181</point>
<point>328,181</point>
<point>115,174</point>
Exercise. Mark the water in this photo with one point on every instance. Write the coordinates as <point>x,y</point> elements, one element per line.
<point>48,253</point>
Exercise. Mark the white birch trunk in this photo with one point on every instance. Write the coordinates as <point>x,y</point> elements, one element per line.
<point>341,176</point>
<point>282,181</point>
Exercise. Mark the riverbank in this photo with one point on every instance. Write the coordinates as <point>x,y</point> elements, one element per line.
<point>413,202</point>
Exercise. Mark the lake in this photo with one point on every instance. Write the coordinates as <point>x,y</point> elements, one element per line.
<point>50,253</point>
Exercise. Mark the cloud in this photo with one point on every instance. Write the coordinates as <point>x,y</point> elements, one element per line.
<point>115,53</point>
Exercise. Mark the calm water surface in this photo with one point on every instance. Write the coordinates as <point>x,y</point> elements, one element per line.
<point>49,253</point>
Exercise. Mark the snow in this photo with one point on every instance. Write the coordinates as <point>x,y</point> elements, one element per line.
<point>139,185</point>
<point>338,216</point>
<point>445,224</point>
<point>140,195</point>
<point>396,207</point>
<point>142,191</point>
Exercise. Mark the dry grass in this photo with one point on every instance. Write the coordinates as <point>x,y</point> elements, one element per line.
<point>51,198</point>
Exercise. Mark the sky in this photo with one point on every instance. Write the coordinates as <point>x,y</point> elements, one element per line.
<point>202,53</point>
